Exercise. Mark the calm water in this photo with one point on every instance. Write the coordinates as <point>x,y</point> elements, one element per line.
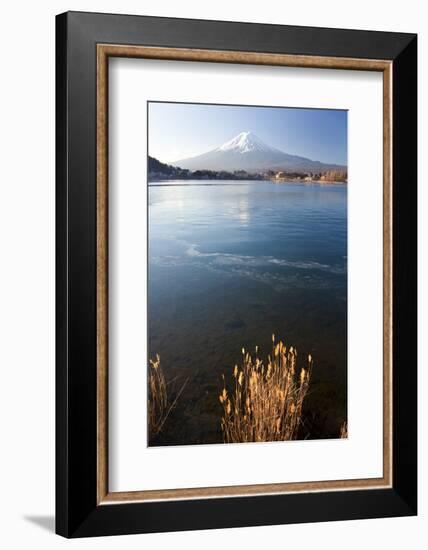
<point>232,263</point>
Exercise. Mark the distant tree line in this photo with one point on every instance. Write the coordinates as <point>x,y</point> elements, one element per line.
<point>158,171</point>
<point>334,175</point>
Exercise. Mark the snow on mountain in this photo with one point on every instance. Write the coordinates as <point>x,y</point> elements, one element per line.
<point>246,151</point>
<point>245,142</point>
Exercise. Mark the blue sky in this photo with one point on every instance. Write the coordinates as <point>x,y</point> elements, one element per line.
<point>181,130</point>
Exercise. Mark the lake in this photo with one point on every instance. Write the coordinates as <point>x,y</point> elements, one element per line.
<point>230,263</point>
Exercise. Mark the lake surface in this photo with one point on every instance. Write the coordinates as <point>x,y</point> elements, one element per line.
<point>230,263</point>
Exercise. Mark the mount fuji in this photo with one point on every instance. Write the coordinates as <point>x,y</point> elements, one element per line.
<point>248,152</point>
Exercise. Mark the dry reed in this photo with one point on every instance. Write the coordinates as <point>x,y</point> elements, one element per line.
<point>266,401</point>
<point>159,404</point>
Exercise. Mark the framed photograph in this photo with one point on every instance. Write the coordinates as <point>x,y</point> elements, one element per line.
<point>236,274</point>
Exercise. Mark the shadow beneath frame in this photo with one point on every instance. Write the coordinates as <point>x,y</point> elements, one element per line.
<point>45,522</point>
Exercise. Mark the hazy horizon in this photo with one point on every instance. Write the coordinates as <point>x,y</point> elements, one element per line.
<point>182,130</point>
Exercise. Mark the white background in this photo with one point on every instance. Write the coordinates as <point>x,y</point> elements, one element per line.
<point>133,466</point>
<point>27,274</point>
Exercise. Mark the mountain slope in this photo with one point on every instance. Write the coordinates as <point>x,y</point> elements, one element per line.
<point>248,152</point>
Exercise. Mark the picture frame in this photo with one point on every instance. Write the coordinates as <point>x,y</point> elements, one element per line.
<point>84,44</point>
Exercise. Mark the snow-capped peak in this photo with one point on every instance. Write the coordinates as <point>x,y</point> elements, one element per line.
<point>245,142</point>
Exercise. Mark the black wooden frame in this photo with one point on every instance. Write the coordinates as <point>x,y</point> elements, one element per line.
<point>77,512</point>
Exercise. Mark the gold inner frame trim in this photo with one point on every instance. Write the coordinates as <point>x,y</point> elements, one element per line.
<point>104,51</point>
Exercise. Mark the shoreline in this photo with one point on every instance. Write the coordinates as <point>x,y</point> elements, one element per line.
<point>310,182</point>
<point>268,180</point>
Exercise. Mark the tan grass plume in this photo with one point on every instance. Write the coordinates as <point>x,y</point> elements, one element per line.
<point>264,402</point>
